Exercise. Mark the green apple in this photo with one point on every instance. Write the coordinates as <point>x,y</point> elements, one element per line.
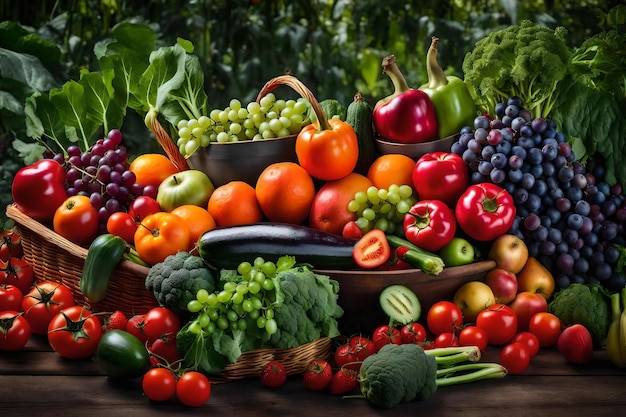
<point>186,187</point>
<point>457,252</point>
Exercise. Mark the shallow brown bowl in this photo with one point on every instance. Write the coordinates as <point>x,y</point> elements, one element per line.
<point>359,291</point>
<point>416,150</point>
<point>242,161</point>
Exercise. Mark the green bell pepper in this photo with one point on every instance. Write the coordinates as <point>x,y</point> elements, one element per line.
<point>453,102</point>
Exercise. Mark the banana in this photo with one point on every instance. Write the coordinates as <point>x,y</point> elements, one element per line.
<point>616,337</point>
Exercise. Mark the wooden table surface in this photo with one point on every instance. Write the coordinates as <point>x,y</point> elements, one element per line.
<point>37,381</point>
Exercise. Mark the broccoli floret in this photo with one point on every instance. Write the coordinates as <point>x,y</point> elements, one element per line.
<point>398,373</point>
<point>176,281</point>
<point>586,304</point>
<point>526,60</point>
<point>295,328</point>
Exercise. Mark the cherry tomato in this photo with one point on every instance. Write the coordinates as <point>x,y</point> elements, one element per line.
<point>515,358</point>
<point>160,322</point>
<point>413,333</point>
<point>160,235</point>
<point>362,346</point>
<point>446,339</point>
<point>10,298</point>
<point>547,327</point>
<point>345,356</point>
<point>123,225</point>
<point>500,323</point>
<point>17,272</point>
<point>528,339</point>
<point>43,302</point>
<point>74,332</point>
<point>164,351</point>
<point>10,245</point>
<point>384,335</point>
<point>76,220</point>
<point>444,317</point>
<point>14,330</point>
<point>372,250</point>
<point>193,389</point>
<point>474,336</point>
<point>143,206</point>
<point>159,384</point>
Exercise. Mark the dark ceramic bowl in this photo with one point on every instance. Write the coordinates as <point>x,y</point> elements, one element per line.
<point>415,150</point>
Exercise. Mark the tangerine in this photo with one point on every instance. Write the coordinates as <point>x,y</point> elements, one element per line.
<point>234,203</point>
<point>285,192</point>
<point>151,169</point>
<point>197,218</point>
<point>390,169</point>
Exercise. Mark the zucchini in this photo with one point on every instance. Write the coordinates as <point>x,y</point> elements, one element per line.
<point>333,109</point>
<point>400,304</point>
<point>105,252</point>
<point>359,116</point>
<point>121,355</point>
<point>226,247</point>
<point>428,262</point>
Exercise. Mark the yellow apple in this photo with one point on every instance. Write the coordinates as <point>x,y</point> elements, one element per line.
<point>473,297</point>
<point>534,277</point>
<point>509,252</point>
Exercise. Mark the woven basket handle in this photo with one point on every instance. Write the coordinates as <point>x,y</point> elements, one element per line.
<point>300,88</point>
<point>168,145</point>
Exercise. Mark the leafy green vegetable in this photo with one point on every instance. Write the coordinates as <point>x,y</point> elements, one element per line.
<point>526,60</point>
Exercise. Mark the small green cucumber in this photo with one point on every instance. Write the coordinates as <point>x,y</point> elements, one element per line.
<point>105,252</point>
<point>400,303</point>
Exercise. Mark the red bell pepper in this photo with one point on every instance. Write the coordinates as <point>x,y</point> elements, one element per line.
<point>406,116</point>
<point>429,224</point>
<point>39,189</point>
<point>485,211</point>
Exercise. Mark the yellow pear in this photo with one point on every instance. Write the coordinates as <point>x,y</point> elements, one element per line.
<point>534,277</point>
<point>472,298</point>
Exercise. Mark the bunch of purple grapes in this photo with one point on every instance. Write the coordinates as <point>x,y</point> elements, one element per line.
<point>571,220</point>
<point>102,174</point>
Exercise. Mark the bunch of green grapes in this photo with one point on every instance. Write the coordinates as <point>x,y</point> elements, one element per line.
<point>246,301</point>
<point>270,118</point>
<point>384,209</point>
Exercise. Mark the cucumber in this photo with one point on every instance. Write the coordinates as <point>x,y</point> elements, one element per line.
<point>121,355</point>
<point>400,303</point>
<point>428,262</point>
<point>227,247</point>
<point>359,115</point>
<point>105,252</point>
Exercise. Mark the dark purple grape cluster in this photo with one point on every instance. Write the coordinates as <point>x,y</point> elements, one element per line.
<point>102,174</point>
<point>571,220</point>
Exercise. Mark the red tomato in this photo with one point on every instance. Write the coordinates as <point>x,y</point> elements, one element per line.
<point>547,327</point>
<point>525,305</point>
<point>474,336</point>
<point>384,335</point>
<point>528,339</point>
<point>164,351</point>
<point>500,323</point>
<point>17,272</point>
<point>317,375</point>
<point>76,220</point>
<point>372,250</point>
<point>193,389</point>
<point>159,384</point>
<point>123,225</point>
<point>10,245</point>
<point>362,346</point>
<point>485,211</point>
<point>345,356</point>
<point>142,207</point>
<point>135,325</point>
<point>440,176</point>
<point>10,298</point>
<point>446,339</point>
<point>444,317</point>
<point>160,322</point>
<point>515,358</point>
<point>74,332</point>
<point>14,330</point>
<point>413,333</point>
<point>429,224</point>
<point>351,229</point>
<point>273,374</point>
<point>43,302</point>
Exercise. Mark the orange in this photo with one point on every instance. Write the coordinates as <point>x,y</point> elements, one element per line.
<point>197,218</point>
<point>152,168</point>
<point>390,169</point>
<point>234,203</point>
<point>285,192</point>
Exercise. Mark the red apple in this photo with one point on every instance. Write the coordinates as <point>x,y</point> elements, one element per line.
<point>525,305</point>
<point>534,277</point>
<point>509,252</point>
<point>329,210</point>
<point>503,284</point>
